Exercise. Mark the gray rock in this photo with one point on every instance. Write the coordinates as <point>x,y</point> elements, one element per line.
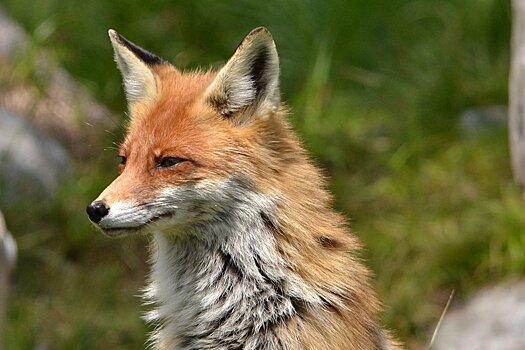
<point>494,319</point>
<point>477,120</point>
<point>13,36</point>
<point>60,107</point>
<point>7,263</point>
<point>31,164</point>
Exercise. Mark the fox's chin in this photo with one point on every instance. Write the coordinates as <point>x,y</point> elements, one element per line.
<point>120,232</point>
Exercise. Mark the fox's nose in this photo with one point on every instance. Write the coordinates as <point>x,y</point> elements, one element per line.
<point>97,210</point>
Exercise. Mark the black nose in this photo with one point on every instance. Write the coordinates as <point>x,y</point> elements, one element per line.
<point>97,210</point>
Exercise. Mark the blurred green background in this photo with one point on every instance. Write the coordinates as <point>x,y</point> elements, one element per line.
<point>376,88</point>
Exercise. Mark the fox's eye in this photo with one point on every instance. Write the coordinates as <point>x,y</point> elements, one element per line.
<point>167,162</point>
<point>122,160</point>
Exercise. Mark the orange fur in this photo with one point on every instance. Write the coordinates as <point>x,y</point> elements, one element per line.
<point>309,235</point>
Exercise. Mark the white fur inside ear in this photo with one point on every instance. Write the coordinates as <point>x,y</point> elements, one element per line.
<point>250,78</point>
<point>235,88</point>
<point>139,81</point>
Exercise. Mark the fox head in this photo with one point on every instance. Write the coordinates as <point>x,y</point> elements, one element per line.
<point>196,142</point>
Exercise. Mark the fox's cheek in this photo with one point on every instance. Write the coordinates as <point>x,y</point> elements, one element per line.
<point>185,167</point>
<point>176,175</point>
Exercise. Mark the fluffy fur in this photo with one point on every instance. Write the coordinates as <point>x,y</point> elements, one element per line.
<point>246,251</point>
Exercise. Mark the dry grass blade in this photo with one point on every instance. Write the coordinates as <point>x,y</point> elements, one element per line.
<point>438,326</point>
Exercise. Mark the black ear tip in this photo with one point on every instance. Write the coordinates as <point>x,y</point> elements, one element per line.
<point>144,55</point>
<point>114,35</point>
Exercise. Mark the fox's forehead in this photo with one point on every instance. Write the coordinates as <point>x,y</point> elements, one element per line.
<point>177,92</point>
<point>178,117</point>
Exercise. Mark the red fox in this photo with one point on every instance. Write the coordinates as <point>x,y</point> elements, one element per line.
<point>246,250</point>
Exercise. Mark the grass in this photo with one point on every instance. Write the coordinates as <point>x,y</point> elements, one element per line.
<point>73,287</point>
<point>376,89</point>
<point>435,214</point>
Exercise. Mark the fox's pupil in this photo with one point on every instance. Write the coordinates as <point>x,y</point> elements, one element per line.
<point>122,160</point>
<point>169,161</point>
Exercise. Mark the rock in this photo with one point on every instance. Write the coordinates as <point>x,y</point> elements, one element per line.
<point>474,121</point>
<point>31,163</point>
<point>59,106</point>
<point>13,36</point>
<point>8,250</point>
<point>494,319</point>
<point>66,111</point>
<point>7,263</point>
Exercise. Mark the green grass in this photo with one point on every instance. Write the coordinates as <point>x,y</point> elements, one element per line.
<point>73,289</point>
<point>436,214</point>
<point>376,89</point>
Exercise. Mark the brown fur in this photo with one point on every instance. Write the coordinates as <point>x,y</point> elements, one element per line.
<point>309,235</point>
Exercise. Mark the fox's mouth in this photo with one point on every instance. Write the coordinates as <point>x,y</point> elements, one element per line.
<point>129,230</point>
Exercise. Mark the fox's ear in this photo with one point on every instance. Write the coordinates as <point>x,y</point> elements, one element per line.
<point>249,82</point>
<point>135,64</point>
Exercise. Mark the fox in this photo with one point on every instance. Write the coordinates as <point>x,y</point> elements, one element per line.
<point>246,249</point>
